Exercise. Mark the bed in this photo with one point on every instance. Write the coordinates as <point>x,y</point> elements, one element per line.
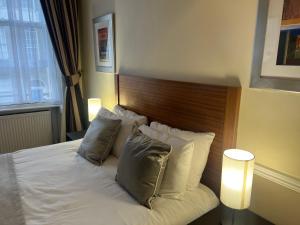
<point>56,186</point>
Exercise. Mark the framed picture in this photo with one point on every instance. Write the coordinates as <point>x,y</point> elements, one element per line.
<point>276,58</point>
<point>289,39</point>
<point>103,27</point>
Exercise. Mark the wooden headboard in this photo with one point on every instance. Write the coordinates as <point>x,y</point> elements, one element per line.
<point>189,106</point>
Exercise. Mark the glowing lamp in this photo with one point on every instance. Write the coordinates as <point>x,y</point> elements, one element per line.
<point>94,105</point>
<point>237,176</point>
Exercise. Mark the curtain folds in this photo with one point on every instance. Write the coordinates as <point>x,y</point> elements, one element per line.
<point>62,22</point>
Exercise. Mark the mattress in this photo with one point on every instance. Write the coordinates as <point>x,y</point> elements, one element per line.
<point>58,187</point>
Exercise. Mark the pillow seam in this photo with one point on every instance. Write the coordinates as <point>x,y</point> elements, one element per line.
<point>159,174</point>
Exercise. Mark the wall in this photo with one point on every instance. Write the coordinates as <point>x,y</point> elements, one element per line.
<point>209,42</point>
<point>95,84</point>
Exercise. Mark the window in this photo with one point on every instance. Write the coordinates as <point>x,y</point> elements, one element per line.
<point>3,10</point>
<point>3,45</point>
<point>30,10</point>
<point>28,68</point>
<point>32,50</point>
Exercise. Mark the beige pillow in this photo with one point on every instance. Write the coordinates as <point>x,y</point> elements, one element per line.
<point>175,179</point>
<point>127,125</point>
<point>130,115</point>
<point>202,143</point>
<point>141,167</point>
<point>98,140</point>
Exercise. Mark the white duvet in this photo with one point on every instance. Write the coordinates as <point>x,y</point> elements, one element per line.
<point>58,187</point>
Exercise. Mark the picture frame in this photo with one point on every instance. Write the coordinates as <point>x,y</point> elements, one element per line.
<point>104,46</point>
<point>266,71</point>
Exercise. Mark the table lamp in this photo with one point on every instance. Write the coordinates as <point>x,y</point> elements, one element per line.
<point>94,105</point>
<point>237,176</point>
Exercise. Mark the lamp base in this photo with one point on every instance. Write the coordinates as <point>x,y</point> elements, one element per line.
<point>228,215</point>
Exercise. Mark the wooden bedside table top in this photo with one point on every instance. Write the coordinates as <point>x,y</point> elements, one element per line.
<point>223,215</point>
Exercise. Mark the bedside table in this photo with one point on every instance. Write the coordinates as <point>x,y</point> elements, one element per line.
<point>72,136</point>
<point>242,217</point>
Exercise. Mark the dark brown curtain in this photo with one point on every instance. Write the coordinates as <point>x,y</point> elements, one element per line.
<point>62,21</point>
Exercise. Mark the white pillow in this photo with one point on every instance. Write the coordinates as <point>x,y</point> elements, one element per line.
<point>130,115</point>
<point>202,143</point>
<point>178,167</point>
<point>127,126</point>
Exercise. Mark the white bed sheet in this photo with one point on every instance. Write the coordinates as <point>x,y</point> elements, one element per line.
<point>58,187</point>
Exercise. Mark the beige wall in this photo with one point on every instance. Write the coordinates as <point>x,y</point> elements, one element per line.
<point>95,84</point>
<point>210,42</point>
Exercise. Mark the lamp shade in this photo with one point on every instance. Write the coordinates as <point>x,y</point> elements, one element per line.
<point>94,104</point>
<point>237,176</point>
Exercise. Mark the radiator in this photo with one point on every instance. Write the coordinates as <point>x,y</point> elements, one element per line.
<point>20,131</point>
